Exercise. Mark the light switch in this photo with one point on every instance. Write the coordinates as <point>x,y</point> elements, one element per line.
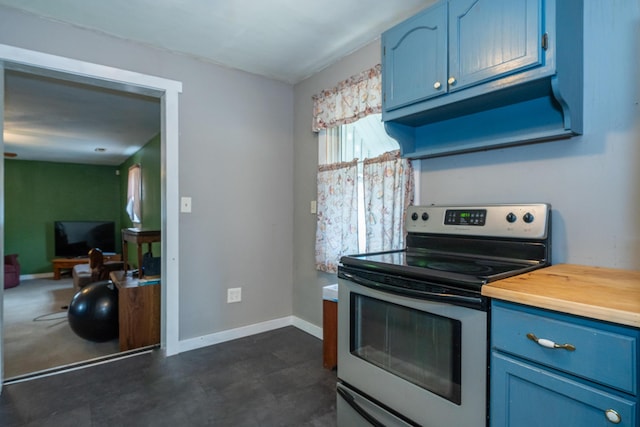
<point>313,207</point>
<point>185,204</point>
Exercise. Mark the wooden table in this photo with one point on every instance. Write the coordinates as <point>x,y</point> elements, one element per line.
<point>67,263</point>
<point>139,237</point>
<point>138,311</point>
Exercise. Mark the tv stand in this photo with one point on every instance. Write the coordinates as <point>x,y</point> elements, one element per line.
<point>69,263</point>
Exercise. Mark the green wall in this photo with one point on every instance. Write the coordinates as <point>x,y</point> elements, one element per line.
<point>149,159</point>
<point>39,193</point>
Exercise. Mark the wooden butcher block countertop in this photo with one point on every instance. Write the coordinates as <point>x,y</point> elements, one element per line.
<point>600,293</point>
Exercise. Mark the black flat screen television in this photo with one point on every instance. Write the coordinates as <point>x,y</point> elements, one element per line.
<point>76,238</point>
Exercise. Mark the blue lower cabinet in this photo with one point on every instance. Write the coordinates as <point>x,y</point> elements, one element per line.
<point>550,369</point>
<point>524,395</point>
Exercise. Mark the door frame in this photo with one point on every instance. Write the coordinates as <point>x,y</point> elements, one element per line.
<point>167,91</point>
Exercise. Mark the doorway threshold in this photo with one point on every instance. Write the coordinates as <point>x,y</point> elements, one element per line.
<point>81,365</point>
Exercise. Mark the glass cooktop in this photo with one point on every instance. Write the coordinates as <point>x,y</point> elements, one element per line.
<point>439,266</point>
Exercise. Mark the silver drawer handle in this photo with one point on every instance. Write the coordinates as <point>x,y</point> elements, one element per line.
<point>550,344</point>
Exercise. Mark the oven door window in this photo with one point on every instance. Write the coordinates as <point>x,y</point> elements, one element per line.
<point>418,346</point>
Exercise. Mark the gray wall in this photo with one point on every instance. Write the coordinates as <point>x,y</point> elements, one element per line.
<point>236,162</point>
<point>308,282</point>
<point>592,181</point>
<point>255,230</point>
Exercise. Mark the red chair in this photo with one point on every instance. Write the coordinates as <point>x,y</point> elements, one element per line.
<point>11,271</point>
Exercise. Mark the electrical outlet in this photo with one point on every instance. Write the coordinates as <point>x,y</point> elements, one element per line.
<point>185,204</point>
<point>234,295</point>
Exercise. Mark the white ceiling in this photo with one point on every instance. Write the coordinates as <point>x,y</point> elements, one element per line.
<point>287,40</point>
<point>60,121</point>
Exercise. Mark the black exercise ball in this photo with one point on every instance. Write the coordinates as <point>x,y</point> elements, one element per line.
<point>93,312</point>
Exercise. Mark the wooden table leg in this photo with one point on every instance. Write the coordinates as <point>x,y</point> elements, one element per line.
<point>139,260</point>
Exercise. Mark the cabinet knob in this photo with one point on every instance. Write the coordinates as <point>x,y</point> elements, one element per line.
<point>451,81</point>
<point>437,85</point>
<point>613,416</point>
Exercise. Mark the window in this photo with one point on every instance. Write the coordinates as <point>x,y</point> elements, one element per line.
<point>134,195</point>
<point>363,139</point>
<point>364,186</point>
<point>361,202</point>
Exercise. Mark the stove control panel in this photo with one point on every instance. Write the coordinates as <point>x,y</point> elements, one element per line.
<point>512,221</point>
<point>465,217</point>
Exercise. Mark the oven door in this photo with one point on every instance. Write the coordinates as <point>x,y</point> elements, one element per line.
<point>424,361</point>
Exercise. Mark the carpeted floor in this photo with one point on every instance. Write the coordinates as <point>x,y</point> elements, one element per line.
<point>37,335</point>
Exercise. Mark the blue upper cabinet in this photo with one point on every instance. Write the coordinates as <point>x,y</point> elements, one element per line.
<point>415,58</point>
<point>489,39</point>
<point>468,75</point>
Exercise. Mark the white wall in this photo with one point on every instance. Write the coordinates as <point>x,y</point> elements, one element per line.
<point>592,181</point>
<point>236,162</point>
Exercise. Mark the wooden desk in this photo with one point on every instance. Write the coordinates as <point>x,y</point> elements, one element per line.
<point>139,237</point>
<point>67,263</point>
<point>138,312</point>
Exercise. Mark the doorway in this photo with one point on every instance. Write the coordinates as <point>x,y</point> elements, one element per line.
<point>167,92</point>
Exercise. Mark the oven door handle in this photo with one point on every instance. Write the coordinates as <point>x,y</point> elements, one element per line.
<point>433,296</point>
<point>351,401</point>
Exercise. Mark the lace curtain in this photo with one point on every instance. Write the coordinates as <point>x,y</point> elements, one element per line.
<point>388,190</point>
<point>387,179</point>
<point>354,98</point>
<point>337,221</point>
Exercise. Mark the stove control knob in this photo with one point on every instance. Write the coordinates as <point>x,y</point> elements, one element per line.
<point>528,218</point>
<point>414,216</point>
<point>511,217</point>
<point>425,216</point>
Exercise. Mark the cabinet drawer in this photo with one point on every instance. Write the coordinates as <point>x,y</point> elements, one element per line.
<point>603,353</point>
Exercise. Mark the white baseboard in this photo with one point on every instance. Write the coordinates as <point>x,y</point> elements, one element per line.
<point>307,327</point>
<point>245,331</point>
<point>36,276</point>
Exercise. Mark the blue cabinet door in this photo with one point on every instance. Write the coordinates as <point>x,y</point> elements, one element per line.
<point>525,395</point>
<point>414,55</point>
<point>489,39</point>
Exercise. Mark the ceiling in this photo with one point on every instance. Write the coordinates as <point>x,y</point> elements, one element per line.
<point>286,40</point>
<point>60,121</point>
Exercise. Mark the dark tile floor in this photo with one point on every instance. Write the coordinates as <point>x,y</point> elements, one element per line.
<point>270,379</point>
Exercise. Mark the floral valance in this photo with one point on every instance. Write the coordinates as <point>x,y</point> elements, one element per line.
<point>352,99</point>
